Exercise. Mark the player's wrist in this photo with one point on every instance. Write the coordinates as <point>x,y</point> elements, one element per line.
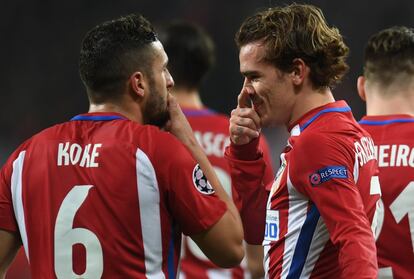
<point>248,152</point>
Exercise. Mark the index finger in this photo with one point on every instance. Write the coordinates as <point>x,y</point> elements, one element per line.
<point>243,100</point>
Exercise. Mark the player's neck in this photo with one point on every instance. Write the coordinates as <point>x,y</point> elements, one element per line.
<point>308,100</point>
<point>132,111</point>
<point>399,103</point>
<point>188,98</point>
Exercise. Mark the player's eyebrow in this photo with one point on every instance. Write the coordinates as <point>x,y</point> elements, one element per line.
<point>250,73</point>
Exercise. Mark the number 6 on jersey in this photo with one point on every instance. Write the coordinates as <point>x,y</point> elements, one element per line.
<point>66,236</point>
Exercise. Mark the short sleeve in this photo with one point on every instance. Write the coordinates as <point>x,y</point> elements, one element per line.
<point>190,197</point>
<point>7,219</point>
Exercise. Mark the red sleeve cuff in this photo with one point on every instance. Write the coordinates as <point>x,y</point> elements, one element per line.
<point>246,152</point>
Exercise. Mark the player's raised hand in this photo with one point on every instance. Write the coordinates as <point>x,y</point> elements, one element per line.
<point>244,120</point>
<point>178,124</point>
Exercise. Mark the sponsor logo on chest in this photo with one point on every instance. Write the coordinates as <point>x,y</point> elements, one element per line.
<point>272,225</point>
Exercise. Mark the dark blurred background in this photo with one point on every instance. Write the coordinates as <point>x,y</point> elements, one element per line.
<point>39,81</point>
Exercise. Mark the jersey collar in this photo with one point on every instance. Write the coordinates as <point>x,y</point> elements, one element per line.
<point>379,120</point>
<point>99,116</point>
<point>303,122</point>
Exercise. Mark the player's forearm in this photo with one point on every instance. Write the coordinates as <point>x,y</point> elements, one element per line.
<point>352,234</point>
<point>357,250</point>
<point>9,245</point>
<point>199,155</point>
<point>254,256</point>
<point>247,179</point>
<point>358,260</point>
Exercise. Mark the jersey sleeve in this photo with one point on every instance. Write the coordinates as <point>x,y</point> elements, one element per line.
<point>325,175</point>
<point>269,174</point>
<point>7,217</point>
<point>248,174</point>
<point>190,197</point>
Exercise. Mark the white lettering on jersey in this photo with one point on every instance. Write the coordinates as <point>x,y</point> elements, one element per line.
<point>364,150</point>
<point>212,144</point>
<point>395,155</point>
<point>73,153</point>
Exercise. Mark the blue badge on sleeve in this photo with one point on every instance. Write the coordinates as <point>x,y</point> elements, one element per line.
<point>327,173</point>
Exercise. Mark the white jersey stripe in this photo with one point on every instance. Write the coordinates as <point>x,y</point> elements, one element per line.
<point>319,240</point>
<point>149,209</point>
<point>16,191</point>
<point>266,260</point>
<point>298,208</point>
<point>304,243</point>
<point>356,169</point>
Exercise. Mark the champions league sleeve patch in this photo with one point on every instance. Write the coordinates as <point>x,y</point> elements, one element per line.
<point>327,173</point>
<point>200,181</point>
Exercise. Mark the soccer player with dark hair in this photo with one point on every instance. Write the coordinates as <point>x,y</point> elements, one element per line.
<point>107,194</point>
<point>191,56</point>
<point>387,86</point>
<point>317,215</point>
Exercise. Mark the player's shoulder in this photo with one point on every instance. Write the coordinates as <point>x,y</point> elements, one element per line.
<point>327,142</point>
<point>389,126</point>
<point>161,143</point>
<point>333,127</point>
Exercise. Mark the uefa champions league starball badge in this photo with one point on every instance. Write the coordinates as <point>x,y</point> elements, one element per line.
<point>200,181</point>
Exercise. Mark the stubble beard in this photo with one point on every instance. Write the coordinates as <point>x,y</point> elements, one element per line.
<point>156,110</point>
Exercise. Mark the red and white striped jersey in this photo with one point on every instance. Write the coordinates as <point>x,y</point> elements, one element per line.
<point>317,222</point>
<point>212,132</point>
<point>104,197</point>
<point>394,147</point>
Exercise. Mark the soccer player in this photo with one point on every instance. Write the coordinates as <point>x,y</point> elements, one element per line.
<point>107,194</point>
<point>191,55</point>
<point>387,86</point>
<point>317,215</point>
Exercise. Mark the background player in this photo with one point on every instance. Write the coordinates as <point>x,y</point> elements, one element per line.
<point>103,196</point>
<point>191,55</point>
<point>321,205</point>
<point>387,86</point>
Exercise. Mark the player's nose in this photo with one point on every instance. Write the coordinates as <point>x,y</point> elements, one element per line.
<point>170,80</point>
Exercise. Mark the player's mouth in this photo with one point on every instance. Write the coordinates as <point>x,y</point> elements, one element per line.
<point>257,105</point>
<point>255,101</point>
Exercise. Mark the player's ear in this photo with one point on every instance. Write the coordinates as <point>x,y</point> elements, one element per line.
<point>361,87</point>
<point>137,83</point>
<point>299,71</point>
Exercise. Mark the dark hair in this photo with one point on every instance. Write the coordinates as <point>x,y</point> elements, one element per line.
<point>388,54</point>
<point>190,51</point>
<point>298,31</point>
<point>113,50</point>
